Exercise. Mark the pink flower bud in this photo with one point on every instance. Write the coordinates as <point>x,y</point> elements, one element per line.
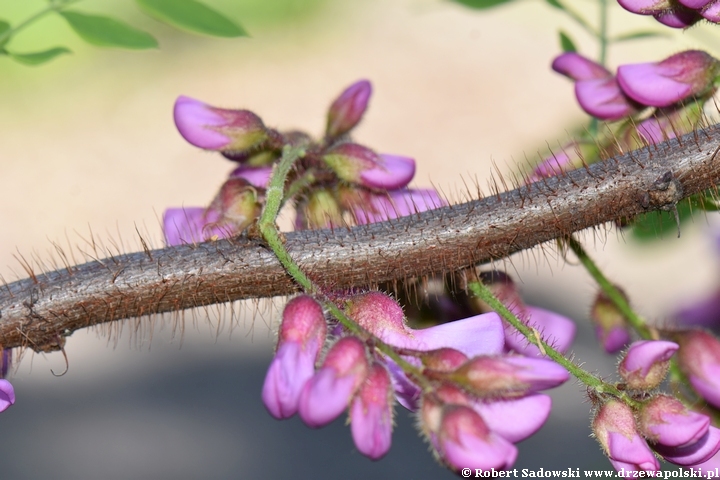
<point>678,18</point>
<point>330,390</point>
<point>645,7</point>
<point>237,205</point>
<point>465,441</point>
<point>443,359</point>
<point>505,377</point>
<point>611,328</point>
<point>7,395</point>
<point>378,207</point>
<point>321,211</point>
<point>214,128</point>
<point>711,12</point>
<point>360,165</point>
<point>302,335</point>
<point>679,77</point>
<point>646,363</point>
<point>371,415</point>
<point>347,110</point>
<point>596,89</point>
<point>383,317</point>
<point>571,156</point>
<point>190,225</point>
<point>665,420</point>
<point>690,455</point>
<point>699,359</point>
<point>614,428</point>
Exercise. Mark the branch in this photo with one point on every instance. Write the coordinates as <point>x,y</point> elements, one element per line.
<point>40,311</point>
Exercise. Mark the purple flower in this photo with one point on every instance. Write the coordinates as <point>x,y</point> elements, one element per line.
<point>677,78</point>
<point>666,421</point>
<point>699,359</point>
<point>302,335</point>
<point>515,419</point>
<point>465,441</point>
<point>190,225</point>
<point>696,453</point>
<point>711,12</point>
<point>214,128</point>
<point>695,4</point>
<point>378,207</point>
<point>596,89</point>
<point>360,165</point>
<point>347,110</point>
<point>646,363</point>
<point>371,418</point>
<point>7,395</point>
<point>328,393</point>
<point>678,18</point>
<point>614,428</point>
<point>645,7</point>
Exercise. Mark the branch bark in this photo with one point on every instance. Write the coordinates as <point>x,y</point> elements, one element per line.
<point>39,312</point>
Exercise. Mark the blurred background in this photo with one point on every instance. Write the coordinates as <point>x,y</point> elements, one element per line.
<point>88,150</point>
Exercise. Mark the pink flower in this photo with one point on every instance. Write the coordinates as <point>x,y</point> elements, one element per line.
<point>302,335</point>
<point>646,363</point>
<point>7,395</point>
<point>699,359</point>
<point>596,89</point>
<point>678,18</point>
<point>645,7</point>
<point>378,207</point>
<point>360,165</point>
<point>347,110</point>
<point>696,453</point>
<point>214,128</point>
<point>614,428</point>
<point>371,415</point>
<point>666,421</point>
<point>328,393</point>
<point>515,419</point>
<point>465,441</point>
<point>677,78</point>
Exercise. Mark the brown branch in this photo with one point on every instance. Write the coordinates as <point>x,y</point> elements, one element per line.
<point>39,312</point>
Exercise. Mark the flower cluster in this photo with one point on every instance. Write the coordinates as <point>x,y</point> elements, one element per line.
<point>659,424</point>
<point>474,401</point>
<point>656,101</point>
<point>675,13</point>
<point>338,182</point>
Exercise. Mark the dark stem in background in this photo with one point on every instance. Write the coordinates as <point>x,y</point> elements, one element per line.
<point>40,311</point>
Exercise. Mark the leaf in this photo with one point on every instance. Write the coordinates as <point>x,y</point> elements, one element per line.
<point>36,58</point>
<point>653,226</point>
<point>4,27</point>
<point>481,4</point>
<point>555,3</point>
<point>566,43</point>
<point>108,32</point>
<point>192,16</point>
<point>637,36</point>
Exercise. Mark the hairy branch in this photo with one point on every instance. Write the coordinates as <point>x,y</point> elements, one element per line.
<point>40,311</point>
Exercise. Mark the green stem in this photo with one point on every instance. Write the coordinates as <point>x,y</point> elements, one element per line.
<point>602,32</point>
<point>592,381</point>
<point>52,7</point>
<point>612,292</point>
<point>268,229</point>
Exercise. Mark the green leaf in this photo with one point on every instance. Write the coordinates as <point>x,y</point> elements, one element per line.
<point>36,58</point>
<point>566,43</point>
<point>655,225</point>
<point>108,32</point>
<point>4,27</point>
<point>192,16</point>
<point>482,4</point>
<point>637,36</point>
<point>555,3</point>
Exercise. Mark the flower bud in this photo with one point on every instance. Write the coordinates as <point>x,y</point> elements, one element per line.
<point>321,211</point>
<point>237,205</point>
<point>360,165</point>
<point>596,89</point>
<point>505,377</point>
<point>614,428</point>
<point>677,78</point>
<point>571,156</point>
<point>665,420</point>
<point>443,359</point>
<point>645,7</point>
<point>465,441</point>
<point>646,363</point>
<point>330,390</point>
<point>611,327</point>
<point>371,415</point>
<point>699,359</point>
<point>214,128</point>
<point>301,337</point>
<point>191,225</point>
<point>347,110</point>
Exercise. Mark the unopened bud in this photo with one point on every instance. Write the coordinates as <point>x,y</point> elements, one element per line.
<point>347,110</point>
<point>611,327</point>
<point>646,363</point>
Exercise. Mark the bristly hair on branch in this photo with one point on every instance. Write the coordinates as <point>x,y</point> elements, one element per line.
<point>38,312</point>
